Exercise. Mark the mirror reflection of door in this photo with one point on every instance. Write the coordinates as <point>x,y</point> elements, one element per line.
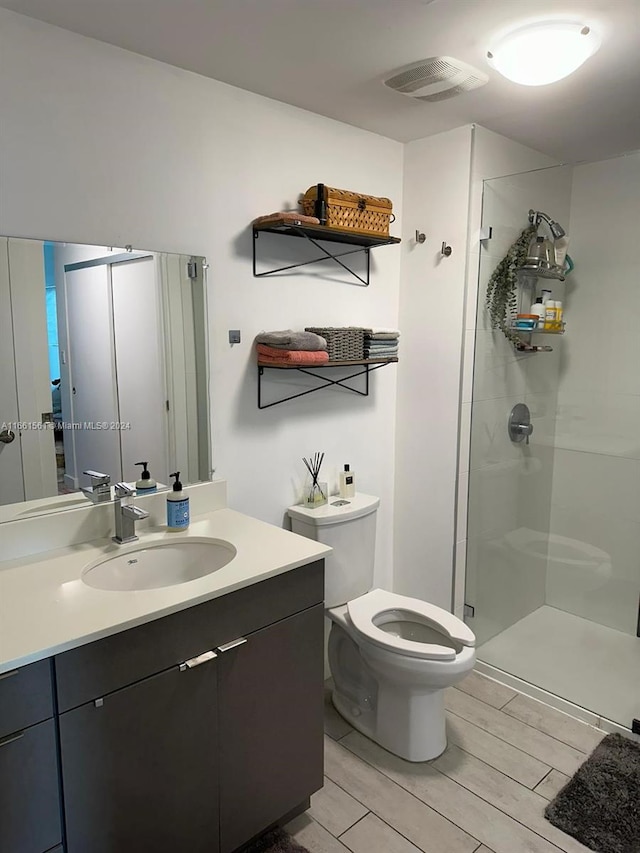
<point>27,464</point>
<point>115,369</point>
<point>11,480</point>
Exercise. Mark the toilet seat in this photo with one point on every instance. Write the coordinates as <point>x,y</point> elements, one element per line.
<point>364,610</point>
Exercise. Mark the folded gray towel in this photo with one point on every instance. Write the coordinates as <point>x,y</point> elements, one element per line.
<point>373,348</point>
<point>374,353</point>
<point>382,336</point>
<point>288,339</point>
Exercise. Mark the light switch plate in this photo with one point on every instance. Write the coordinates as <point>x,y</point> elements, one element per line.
<point>234,336</point>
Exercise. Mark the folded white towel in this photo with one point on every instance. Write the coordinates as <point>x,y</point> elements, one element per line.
<point>378,330</point>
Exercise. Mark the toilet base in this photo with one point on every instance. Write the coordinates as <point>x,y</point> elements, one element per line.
<point>412,730</point>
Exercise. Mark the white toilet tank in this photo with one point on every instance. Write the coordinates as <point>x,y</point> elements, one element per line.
<point>349,527</point>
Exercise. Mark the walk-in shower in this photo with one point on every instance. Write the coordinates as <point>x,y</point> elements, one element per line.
<point>553,524</point>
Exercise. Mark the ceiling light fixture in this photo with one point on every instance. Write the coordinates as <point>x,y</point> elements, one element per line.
<point>541,53</point>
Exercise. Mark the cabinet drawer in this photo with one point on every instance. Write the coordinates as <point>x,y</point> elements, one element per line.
<point>98,668</point>
<point>25,697</point>
<point>29,803</point>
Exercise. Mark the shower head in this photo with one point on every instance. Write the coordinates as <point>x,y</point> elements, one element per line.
<point>537,216</point>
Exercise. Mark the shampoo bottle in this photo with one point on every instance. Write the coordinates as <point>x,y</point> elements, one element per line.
<point>146,484</point>
<point>538,309</point>
<point>347,483</point>
<point>177,506</point>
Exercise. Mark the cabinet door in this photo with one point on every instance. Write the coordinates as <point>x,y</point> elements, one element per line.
<point>29,801</point>
<point>270,703</point>
<point>139,767</point>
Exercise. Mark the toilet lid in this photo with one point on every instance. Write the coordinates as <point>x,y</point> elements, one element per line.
<point>374,606</point>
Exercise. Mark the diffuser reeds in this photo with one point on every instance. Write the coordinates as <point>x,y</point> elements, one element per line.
<point>316,494</point>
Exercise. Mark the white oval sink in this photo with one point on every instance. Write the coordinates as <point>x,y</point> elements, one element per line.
<point>160,564</point>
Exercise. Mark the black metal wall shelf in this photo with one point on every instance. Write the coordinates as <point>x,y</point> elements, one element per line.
<point>315,234</point>
<point>366,366</point>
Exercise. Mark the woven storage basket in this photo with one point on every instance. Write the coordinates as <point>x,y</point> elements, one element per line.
<point>343,344</point>
<point>350,211</point>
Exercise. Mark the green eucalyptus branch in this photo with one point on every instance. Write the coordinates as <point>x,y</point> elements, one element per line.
<point>502,290</point>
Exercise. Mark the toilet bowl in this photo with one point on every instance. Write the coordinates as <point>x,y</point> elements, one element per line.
<point>391,656</point>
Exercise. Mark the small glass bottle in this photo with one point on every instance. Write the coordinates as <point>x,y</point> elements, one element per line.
<point>347,483</point>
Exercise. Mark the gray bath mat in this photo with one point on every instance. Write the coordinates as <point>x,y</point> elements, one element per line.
<point>600,804</point>
<point>276,841</point>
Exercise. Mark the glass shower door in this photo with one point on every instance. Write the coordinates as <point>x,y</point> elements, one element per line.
<point>553,553</point>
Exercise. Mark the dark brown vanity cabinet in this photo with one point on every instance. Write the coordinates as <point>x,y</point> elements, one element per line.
<point>29,794</point>
<point>161,751</point>
<point>270,703</point>
<point>140,766</point>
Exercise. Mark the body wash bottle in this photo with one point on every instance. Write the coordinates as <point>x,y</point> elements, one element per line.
<point>177,506</point>
<point>347,483</point>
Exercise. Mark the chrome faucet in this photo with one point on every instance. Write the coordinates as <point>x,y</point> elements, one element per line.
<point>126,515</point>
<point>100,489</point>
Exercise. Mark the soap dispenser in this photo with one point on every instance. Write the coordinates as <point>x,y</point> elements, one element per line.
<point>177,506</point>
<point>146,484</point>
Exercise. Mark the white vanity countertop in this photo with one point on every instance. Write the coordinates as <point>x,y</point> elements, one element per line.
<point>45,607</point>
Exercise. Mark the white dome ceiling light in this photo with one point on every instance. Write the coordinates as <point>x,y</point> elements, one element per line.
<point>541,53</point>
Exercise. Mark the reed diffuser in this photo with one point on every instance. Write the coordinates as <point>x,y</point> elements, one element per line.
<point>316,493</point>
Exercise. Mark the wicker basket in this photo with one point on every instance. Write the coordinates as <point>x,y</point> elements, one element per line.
<point>349,211</point>
<point>343,344</point>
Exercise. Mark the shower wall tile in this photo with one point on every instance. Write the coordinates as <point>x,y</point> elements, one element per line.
<point>594,567</point>
<point>493,499</point>
<point>504,584</point>
<point>594,562</point>
<point>598,421</point>
<point>534,496</point>
<point>499,370</point>
<point>490,442</point>
<point>606,485</point>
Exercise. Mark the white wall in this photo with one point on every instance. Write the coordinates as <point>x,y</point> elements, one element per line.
<point>596,484</point>
<point>103,146</point>
<point>436,194</point>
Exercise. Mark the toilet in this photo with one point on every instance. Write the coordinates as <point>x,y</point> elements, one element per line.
<point>391,656</point>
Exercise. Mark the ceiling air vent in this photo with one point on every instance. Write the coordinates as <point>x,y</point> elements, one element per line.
<point>436,79</point>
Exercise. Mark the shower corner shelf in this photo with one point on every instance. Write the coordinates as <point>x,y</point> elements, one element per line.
<point>525,336</point>
<point>325,234</point>
<point>365,366</point>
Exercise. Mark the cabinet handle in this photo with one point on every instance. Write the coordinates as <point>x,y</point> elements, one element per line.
<point>197,661</point>
<point>6,740</point>
<point>9,674</point>
<point>231,645</point>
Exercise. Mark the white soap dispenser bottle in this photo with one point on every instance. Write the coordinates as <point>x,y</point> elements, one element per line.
<point>146,484</point>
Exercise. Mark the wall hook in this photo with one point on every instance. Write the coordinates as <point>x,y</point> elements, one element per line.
<point>420,236</point>
<point>446,250</point>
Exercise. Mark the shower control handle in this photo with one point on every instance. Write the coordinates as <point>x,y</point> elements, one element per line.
<point>520,426</point>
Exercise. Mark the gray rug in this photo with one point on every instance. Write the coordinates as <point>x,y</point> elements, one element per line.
<point>600,804</point>
<point>276,841</point>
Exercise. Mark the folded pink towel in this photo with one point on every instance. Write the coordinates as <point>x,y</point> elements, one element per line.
<point>285,356</point>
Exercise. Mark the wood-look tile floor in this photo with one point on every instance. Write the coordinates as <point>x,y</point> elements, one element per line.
<point>507,757</point>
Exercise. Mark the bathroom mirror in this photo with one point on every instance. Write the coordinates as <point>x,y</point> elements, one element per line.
<point>104,365</point>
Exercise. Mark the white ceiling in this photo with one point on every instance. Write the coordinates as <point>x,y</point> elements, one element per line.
<point>329,56</point>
